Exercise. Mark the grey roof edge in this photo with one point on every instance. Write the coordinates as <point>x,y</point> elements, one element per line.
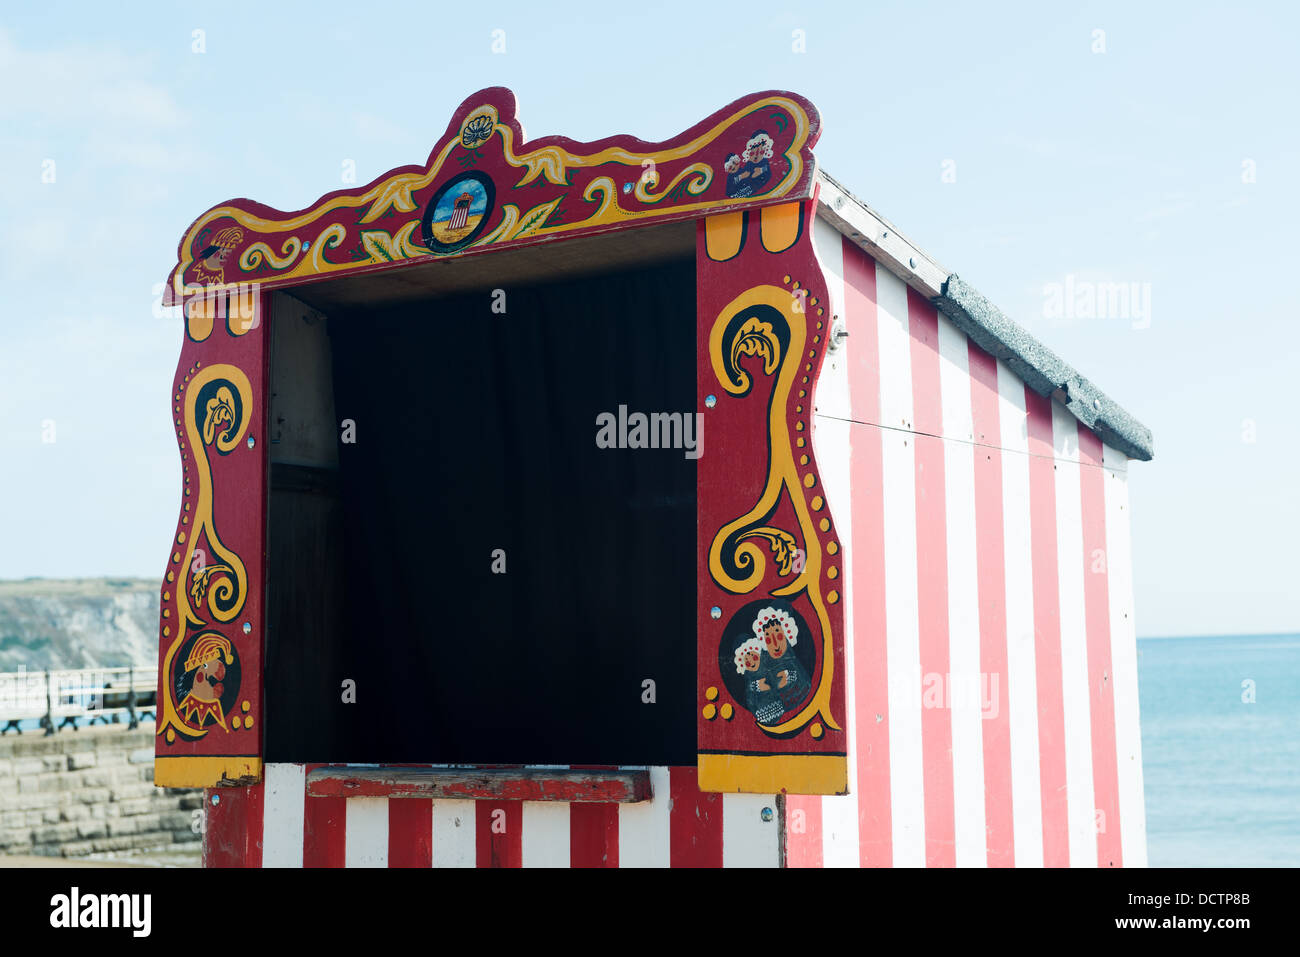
<point>984,323</point>
<point>1043,371</point>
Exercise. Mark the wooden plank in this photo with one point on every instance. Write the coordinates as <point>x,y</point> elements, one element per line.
<point>484,784</point>
<point>865,228</point>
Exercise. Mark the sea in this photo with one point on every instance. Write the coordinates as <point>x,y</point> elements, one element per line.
<point>1221,750</point>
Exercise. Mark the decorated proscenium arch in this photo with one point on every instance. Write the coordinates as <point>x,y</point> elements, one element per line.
<point>485,186</point>
<point>746,175</point>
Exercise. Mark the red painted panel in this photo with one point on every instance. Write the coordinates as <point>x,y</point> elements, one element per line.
<point>695,823</point>
<point>232,832</point>
<point>769,556</point>
<point>1047,630</point>
<point>1101,690</point>
<point>870,658</point>
<point>593,835</point>
<point>324,830</point>
<point>410,832</point>
<point>498,832</point>
<point>210,635</point>
<point>803,830</point>
<point>932,583</point>
<point>990,550</point>
<point>593,829</point>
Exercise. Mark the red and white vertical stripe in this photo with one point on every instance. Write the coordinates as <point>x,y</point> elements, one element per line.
<point>992,663</point>
<point>277,824</point>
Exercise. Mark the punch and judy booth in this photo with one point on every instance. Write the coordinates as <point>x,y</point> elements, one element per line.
<point>629,503</point>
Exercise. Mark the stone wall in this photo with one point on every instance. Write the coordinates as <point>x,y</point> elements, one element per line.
<point>81,792</point>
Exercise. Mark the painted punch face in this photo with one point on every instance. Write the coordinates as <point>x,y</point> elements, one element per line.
<point>774,637</point>
<point>207,681</point>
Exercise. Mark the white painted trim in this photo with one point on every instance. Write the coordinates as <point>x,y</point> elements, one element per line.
<point>832,443</point>
<point>1076,703</point>
<point>1019,692</point>
<point>455,834</point>
<point>902,620</point>
<point>1123,656</point>
<point>831,395</point>
<point>546,834</point>
<point>963,599</point>
<point>284,809</point>
<point>748,840</point>
<point>644,829</point>
<point>365,835</point>
<point>866,228</point>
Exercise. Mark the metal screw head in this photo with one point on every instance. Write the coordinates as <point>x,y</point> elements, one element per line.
<point>715,612</point>
<point>248,628</point>
<point>251,442</point>
<point>766,814</point>
<point>216,799</point>
<point>710,401</point>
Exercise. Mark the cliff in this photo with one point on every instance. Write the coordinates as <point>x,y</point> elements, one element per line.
<point>78,623</point>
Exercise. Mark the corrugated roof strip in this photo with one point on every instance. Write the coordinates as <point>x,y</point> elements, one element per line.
<point>986,325</point>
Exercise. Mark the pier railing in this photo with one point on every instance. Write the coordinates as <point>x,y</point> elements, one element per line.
<point>59,699</point>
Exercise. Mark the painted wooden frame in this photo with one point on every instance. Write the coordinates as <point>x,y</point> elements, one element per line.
<point>767,550</point>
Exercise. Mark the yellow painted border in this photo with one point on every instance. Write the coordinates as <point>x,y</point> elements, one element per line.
<point>774,773</point>
<point>195,771</point>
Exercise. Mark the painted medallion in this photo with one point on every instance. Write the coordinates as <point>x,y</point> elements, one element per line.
<point>458,213</point>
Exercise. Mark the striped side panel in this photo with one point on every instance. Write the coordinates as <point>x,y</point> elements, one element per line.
<point>994,696</point>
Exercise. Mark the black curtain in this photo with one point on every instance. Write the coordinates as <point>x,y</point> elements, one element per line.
<point>476,431</point>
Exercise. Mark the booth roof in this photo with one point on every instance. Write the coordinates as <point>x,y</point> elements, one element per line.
<point>983,322</point>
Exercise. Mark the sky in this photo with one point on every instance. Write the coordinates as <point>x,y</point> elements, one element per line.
<point>1023,146</point>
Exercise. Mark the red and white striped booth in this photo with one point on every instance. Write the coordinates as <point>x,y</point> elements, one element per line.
<point>930,503</point>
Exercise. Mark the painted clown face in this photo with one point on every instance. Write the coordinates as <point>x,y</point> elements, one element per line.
<point>207,681</point>
<point>758,148</point>
<point>774,638</point>
<point>217,259</point>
